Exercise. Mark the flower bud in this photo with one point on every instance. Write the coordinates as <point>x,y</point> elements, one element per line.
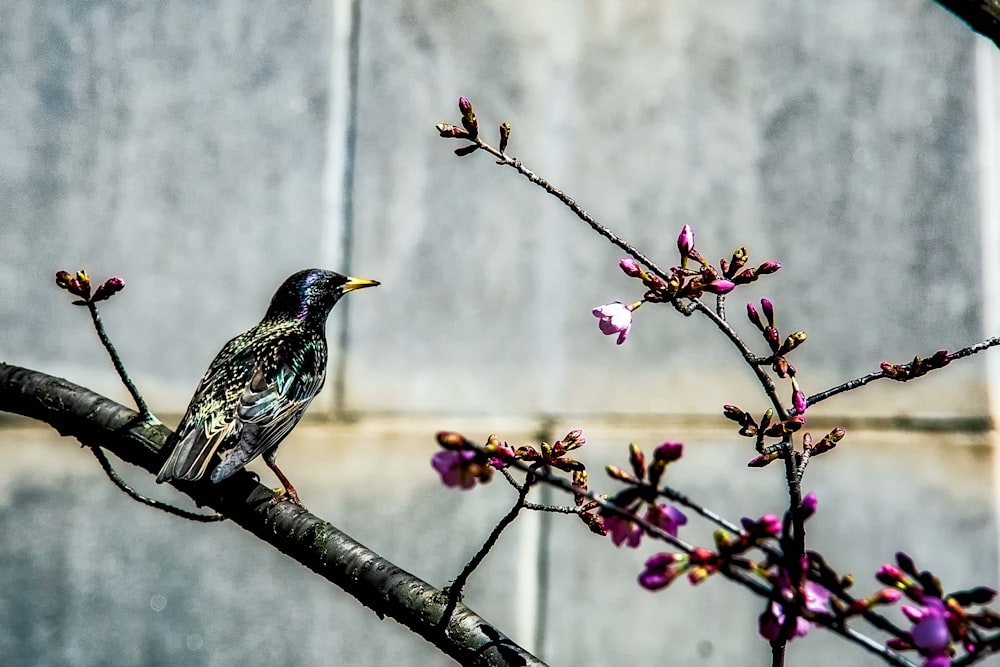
<point>885,596</point>
<point>637,460</point>
<point>630,267</point>
<point>792,341</point>
<point>63,279</point>
<point>668,452</point>
<point>771,336</point>
<point>451,131</point>
<point>720,286</point>
<point>891,575</point>
<point>768,309</point>
<point>738,261</point>
<point>732,412</point>
<point>109,288</point>
<point>754,317</point>
<point>685,241</point>
<point>809,504</point>
<point>469,121</point>
<point>504,136</point>
<point>617,473</point>
<point>768,267</point>
<point>451,440</point>
<point>799,401</point>
<point>762,460</point>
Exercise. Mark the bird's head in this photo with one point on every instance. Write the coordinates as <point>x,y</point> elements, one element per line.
<point>312,292</point>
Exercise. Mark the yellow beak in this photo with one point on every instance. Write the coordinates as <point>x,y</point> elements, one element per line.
<point>358,283</point>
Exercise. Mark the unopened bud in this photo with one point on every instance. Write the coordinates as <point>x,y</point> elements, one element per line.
<point>762,460</point>
<point>451,440</point>
<point>799,401</point>
<point>617,473</point>
<point>792,341</point>
<point>738,261</point>
<point>504,136</point>
<point>469,121</point>
<point>451,131</point>
<point>637,460</point>
<point>685,241</point>
<point>732,412</point>
<point>768,267</point>
<point>630,267</point>
<point>768,309</point>
<point>720,286</point>
<point>754,317</point>
<point>109,288</point>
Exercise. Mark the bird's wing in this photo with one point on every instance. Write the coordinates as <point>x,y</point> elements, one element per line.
<point>280,389</point>
<point>208,423</point>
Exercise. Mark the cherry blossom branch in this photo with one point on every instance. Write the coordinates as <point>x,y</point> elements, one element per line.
<point>907,371</point>
<point>727,569</point>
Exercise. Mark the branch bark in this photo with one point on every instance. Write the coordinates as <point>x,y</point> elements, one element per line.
<point>983,16</point>
<point>96,421</point>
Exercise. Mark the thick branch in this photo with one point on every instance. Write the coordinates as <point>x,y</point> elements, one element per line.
<point>983,16</point>
<point>97,421</point>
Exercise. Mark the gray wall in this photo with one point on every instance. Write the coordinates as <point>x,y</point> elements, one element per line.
<point>206,150</point>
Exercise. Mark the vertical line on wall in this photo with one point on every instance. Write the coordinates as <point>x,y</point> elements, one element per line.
<point>342,151</point>
<point>986,58</point>
<point>531,597</point>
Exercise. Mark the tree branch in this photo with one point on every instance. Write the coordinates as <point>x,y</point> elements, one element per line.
<point>983,16</point>
<point>96,421</point>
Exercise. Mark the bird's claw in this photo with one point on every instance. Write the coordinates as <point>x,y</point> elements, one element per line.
<point>283,495</point>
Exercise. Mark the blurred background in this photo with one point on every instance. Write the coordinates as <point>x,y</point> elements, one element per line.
<point>204,151</point>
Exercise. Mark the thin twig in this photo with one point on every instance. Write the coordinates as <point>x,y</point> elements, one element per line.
<point>878,375</point>
<point>145,500</point>
<point>506,160</point>
<point>455,590</point>
<point>144,414</point>
<point>752,360</point>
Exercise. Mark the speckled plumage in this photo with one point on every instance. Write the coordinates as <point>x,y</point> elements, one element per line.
<point>261,382</point>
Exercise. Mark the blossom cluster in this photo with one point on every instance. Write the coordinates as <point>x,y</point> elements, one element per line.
<point>682,282</point>
<point>622,524</point>
<point>79,285</point>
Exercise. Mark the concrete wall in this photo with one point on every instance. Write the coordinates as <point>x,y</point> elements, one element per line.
<point>206,150</point>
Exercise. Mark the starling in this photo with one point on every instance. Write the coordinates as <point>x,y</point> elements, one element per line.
<point>258,386</point>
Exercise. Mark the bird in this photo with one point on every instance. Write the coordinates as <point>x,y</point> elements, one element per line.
<point>259,385</point>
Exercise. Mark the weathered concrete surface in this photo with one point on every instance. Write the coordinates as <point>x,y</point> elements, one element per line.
<point>199,151</point>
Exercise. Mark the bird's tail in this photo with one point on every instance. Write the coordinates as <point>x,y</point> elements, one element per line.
<point>190,457</point>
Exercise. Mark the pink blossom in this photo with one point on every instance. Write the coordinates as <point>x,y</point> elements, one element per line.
<point>930,630</point>
<point>623,531</point>
<point>616,318</point>
<point>456,467</point>
<point>660,570</point>
<point>666,517</point>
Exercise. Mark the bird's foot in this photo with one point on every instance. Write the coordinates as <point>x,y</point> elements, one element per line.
<point>282,495</point>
